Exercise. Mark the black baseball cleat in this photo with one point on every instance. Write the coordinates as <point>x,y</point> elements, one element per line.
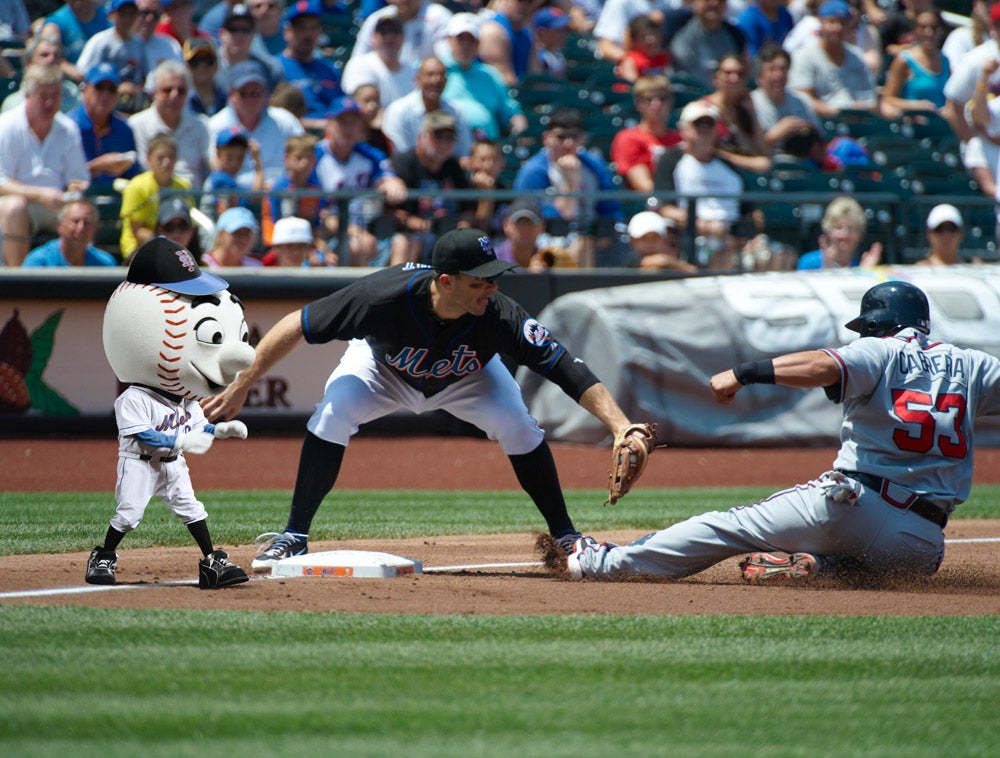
<point>101,566</point>
<point>215,571</point>
<point>567,541</point>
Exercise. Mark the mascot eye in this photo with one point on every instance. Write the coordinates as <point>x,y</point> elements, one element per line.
<point>244,333</point>
<point>210,331</point>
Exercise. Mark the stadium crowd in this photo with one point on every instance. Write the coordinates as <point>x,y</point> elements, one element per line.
<point>662,134</point>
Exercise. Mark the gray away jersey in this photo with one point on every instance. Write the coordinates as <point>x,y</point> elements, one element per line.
<point>909,407</point>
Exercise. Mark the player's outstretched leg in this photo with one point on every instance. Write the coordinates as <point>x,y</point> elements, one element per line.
<point>101,566</point>
<point>215,571</point>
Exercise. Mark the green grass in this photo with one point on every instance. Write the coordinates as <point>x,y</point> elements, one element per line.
<point>109,682</point>
<point>99,682</point>
<point>61,521</point>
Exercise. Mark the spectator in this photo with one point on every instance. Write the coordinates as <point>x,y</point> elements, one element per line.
<point>506,41</point>
<point>299,174</point>
<point>292,245</point>
<point>859,30</point>
<point>221,189</point>
<point>830,73</point>
<point>267,14</point>
<point>476,89</point>
<point>235,235</point>
<point>656,243</point>
<point>206,97</point>
<point>235,46</point>
<point>636,150</point>
<point>344,163</point>
<point>430,165</point>
<point>423,30</point>
<point>962,39</point>
<point>16,24</point>
<point>45,51</point>
<point>697,39</point>
<point>552,27</point>
<point>141,196</point>
<point>173,221</point>
<point>268,125</point>
<point>119,46</point>
<point>524,230</point>
<point>844,224</point>
<point>741,139</point>
<point>382,66</point>
<point>697,171</point>
<point>107,138</point>
<point>369,106</point>
<point>764,21</point>
<point>76,228</point>
<point>211,21</point>
<point>898,30</point>
<point>644,55</point>
<point>177,21</point>
<point>156,47</point>
<point>945,232</point>
<point>290,98</point>
<point>783,113</point>
<point>612,23</point>
<point>41,158</point>
<point>401,120</point>
<point>483,167</point>
<point>318,79</point>
<point>563,167</point>
<point>168,115</point>
<point>72,25</point>
<point>980,152</point>
<point>918,74</point>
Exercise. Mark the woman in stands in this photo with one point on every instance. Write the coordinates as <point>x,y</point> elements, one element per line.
<point>741,139</point>
<point>844,224</point>
<point>917,75</point>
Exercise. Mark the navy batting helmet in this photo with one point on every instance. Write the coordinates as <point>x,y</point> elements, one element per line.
<point>888,307</point>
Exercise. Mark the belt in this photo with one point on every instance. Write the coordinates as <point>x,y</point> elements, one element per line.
<point>918,505</point>
<point>165,459</point>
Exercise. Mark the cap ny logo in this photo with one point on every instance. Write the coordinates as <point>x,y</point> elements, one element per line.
<point>186,260</point>
<point>487,246</point>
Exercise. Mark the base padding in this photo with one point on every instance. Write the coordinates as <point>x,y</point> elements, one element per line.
<point>364,564</point>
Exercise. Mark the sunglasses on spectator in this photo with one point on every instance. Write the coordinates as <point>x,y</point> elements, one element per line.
<point>173,90</point>
<point>240,30</point>
<point>152,14</point>
<point>950,228</point>
<point>247,94</point>
<point>106,87</point>
<point>176,226</point>
<point>444,135</point>
<point>566,136</point>
<point>203,60</point>
<point>264,6</point>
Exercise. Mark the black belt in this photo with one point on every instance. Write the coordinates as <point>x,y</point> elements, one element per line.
<point>167,459</point>
<point>922,507</point>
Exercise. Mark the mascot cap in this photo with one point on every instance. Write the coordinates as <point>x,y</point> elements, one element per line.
<point>166,264</point>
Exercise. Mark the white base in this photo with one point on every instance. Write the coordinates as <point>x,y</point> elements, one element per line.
<point>348,563</point>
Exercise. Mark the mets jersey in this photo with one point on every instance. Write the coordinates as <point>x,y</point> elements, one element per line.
<point>930,392</point>
<point>391,310</point>
<point>364,168</point>
<point>140,409</point>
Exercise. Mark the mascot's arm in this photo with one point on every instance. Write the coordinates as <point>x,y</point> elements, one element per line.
<point>196,441</point>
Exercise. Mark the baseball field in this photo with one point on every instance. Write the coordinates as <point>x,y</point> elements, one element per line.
<point>484,654</point>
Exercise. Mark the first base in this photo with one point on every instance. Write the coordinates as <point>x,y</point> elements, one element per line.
<point>365,564</point>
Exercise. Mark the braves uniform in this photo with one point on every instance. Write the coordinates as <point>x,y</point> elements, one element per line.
<point>402,356</point>
<point>906,450</point>
<point>148,423</point>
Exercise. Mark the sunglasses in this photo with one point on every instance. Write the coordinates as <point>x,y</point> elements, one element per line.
<point>176,226</point>
<point>173,90</point>
<point>106,87</point>
<point>566,136</point>
<point>951,228</point>
<point>247,94</point>
<point>152,14</point>
<point>202,61</point>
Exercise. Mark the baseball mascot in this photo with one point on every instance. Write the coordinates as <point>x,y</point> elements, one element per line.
<point>174,335</point>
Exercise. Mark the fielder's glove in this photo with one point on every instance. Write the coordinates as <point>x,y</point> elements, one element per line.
<point>226,429</point>
<point>839,488</point>
<point>632,448</point>
<point>197,441</point>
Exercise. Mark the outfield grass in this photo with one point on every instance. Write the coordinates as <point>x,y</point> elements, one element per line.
<point>82,682</point>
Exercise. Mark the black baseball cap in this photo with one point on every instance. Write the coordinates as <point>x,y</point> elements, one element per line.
<point>166,264</point>
<point>469,252</point>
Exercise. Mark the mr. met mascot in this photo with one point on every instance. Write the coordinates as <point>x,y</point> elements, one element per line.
<point>174,335</point>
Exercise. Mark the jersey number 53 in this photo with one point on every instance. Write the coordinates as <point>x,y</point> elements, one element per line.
<point>917,410</point>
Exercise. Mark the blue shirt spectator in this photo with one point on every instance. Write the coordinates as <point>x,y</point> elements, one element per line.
<point>765,21</point>
<point>76,227</point>
<point>74,30</point>
<point>315,76</point>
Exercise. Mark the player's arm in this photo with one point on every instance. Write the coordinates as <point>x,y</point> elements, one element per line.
<point>810,368</point>
<point>275,345</point>
<point>599,403</point>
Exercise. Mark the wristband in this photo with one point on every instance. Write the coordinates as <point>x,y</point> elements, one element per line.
<point>755,372</point>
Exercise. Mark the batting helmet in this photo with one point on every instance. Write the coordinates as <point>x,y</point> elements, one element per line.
<point>888,307</point>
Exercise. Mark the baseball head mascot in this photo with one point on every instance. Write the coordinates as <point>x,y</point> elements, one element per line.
<point>174,335</point>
